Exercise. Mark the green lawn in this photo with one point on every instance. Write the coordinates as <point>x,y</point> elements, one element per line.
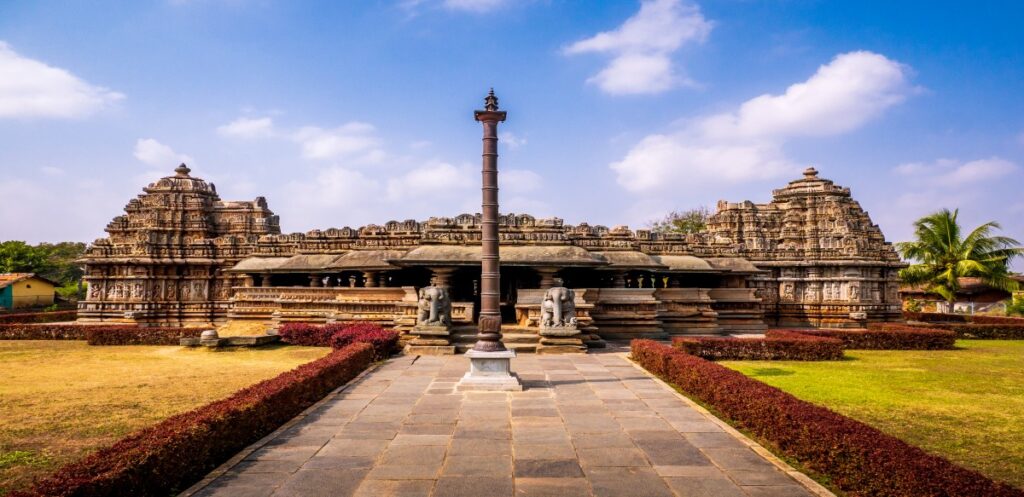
<point>966,405</point>
<point>62,399</point>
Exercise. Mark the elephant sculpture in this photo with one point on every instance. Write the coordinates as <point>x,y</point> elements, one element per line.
<point>435,307</point>
<point>558,309</point>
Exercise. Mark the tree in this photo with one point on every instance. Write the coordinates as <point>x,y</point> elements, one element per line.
<point>942,255</point>
<point>20,257</point>
<point>689,221</point>
<point>54,261</point>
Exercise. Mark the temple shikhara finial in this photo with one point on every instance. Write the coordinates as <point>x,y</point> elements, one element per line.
<point>182,170</point>
<point>491,101</point>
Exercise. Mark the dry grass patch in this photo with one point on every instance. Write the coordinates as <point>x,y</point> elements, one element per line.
<point>62,399</point>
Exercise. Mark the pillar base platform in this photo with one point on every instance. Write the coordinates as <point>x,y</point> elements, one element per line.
<point>490,371</point>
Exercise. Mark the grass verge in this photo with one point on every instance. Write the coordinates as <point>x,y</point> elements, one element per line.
<point>62,399</point>
<point>966,405</point>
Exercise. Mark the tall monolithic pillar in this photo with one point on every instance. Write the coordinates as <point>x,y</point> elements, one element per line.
<point>489,324</point>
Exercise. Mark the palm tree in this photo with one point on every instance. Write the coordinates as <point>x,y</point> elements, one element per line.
<point>942,256</point>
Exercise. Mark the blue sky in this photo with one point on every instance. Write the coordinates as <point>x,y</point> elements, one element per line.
<point>356,112</point>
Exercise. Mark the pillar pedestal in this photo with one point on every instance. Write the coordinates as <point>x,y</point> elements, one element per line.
<point>490,371</point>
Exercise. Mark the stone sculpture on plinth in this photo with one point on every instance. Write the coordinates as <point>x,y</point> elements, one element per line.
<point>433,322</point>
<point>558,325</point>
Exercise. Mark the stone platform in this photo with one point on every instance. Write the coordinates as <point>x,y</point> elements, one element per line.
<point>585,425</point>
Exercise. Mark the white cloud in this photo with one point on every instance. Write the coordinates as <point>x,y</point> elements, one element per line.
<point>248,128</point>
<point>351,140</point>
<point>518,181</point>
<point>642,47</point>
<point>842,95</point>
<point>52,171</point>
<point>746,145</point>
<point>511,140</point>
<point>32,89</point>
<point>474,5</point>
<point>956,174</point>
<point>154,153</point>
<point>432,180</point>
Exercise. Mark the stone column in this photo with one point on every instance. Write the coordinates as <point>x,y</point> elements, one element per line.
<point>490,361</point>
<point>619,279</point>
<point>441,276</point>
<point>369,279</point>
<point>247,281</point>
<point>547,277</point>
<point>314,280</point>
<point>382,279</point>
<point>265,280</point>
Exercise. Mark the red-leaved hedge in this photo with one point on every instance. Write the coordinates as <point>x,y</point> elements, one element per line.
<point>859,459</point>
<point>309,335</point>
<point>338,335</point>
<point>175,453</point>
<point>776,345</point>
<point>38,317</point>
<point>45,331</point>
<point>136,335</point>
<point>936,317</point>
<point>383,341</point>
<point>890,338</point>
<point>966,330</point>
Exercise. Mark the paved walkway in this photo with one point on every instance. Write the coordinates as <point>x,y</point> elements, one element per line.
<point>586,425</point>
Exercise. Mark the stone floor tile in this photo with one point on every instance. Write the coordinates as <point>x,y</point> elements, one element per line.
<point>552,487</point>
<point>406,439</point>
<point>618,482</point>
<point>606,456</point>
<point>547,468</point>
<point>395,488</point>
<point>766,476</point>
<point>719,440</point>
<point>404,472</point>
<point>706,472</point>
<point>476,466</point>
<point>475,447</point>
<point>321,482</point>
<point>543,451</point>
<point>601,440</point>
<point>346,447</point>
<point>731,459</point>
<point>427,429</point>
<point>495,486</point>
<point>333,462</point>
<point>704,487</point>
<point>777,491</point>
<point>672,453</point>
<point>413,454</point>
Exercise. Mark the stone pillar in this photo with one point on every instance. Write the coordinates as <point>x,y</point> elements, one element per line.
<point>382,279</point>
<point>490,361</point>
<point>248,281</point>
<point>369,279</point>
<point>547,277</point>
<point>265,280</point>
<point>619,279</point>
<point>329,280</point>
<point>314,281</point>
<point>441,276</point>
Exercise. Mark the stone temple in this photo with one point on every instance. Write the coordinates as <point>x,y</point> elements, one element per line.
<point>181,256</point>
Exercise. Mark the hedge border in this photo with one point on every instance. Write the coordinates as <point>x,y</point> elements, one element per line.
<point>103,335</point>
<point>973,331</point>
<point>179,451</point>
<point>889,338</point>
<point>38,317</point>
<point>858,459</point>
<point>777,345</point>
